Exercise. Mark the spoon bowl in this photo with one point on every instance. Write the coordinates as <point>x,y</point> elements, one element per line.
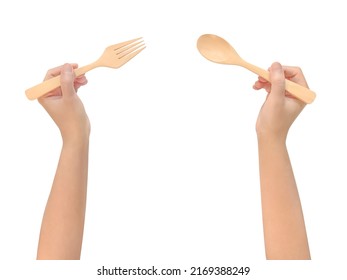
<point>218,50</point>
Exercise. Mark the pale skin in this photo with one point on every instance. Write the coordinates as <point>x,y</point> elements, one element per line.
<point>63,221</point>
<point>283,221</point>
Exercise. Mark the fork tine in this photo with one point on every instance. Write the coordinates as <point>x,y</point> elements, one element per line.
<point>128,47</point>
<point>130,50</point>
<point>120,45</point>
<point>131,54</point>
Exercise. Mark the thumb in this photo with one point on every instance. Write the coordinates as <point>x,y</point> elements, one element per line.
<point>277,80</point>
<point>67,78</point>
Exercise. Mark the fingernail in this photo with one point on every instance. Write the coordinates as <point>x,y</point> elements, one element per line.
<point>276,66</point>
<point>67,68</point>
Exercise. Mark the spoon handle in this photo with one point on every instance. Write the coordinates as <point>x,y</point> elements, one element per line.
<point>300,92</point>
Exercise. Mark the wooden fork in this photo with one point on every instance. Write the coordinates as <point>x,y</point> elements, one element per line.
<point>114,56</point>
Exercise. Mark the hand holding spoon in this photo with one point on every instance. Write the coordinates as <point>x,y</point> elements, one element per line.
<point>216,49</point>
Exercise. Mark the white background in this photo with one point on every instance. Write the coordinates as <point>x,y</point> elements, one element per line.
<point>173,177</point>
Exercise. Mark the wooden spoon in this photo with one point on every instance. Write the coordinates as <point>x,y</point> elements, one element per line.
<point>216,49</point>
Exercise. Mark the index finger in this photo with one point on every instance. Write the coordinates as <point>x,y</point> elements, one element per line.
<point>295,74</point>
<point>56,71</point>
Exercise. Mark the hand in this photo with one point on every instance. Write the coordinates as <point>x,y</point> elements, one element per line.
<point>64,106</point>
<point>280,109</point>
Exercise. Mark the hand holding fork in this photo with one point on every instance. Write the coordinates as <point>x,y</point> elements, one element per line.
<point>114,56</point>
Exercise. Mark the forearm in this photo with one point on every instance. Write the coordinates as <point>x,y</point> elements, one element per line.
<point>284,226</point>
<point>63,221</point>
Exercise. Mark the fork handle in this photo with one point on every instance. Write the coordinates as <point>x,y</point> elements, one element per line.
<point>300,92</point>
<point>53,83</point>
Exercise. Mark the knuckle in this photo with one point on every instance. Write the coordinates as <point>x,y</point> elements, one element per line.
<point>298,69</point>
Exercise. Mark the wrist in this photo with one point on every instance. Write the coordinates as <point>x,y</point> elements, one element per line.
<point>76,133</point>
<point>76,139</point>
<point>271,139</point>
